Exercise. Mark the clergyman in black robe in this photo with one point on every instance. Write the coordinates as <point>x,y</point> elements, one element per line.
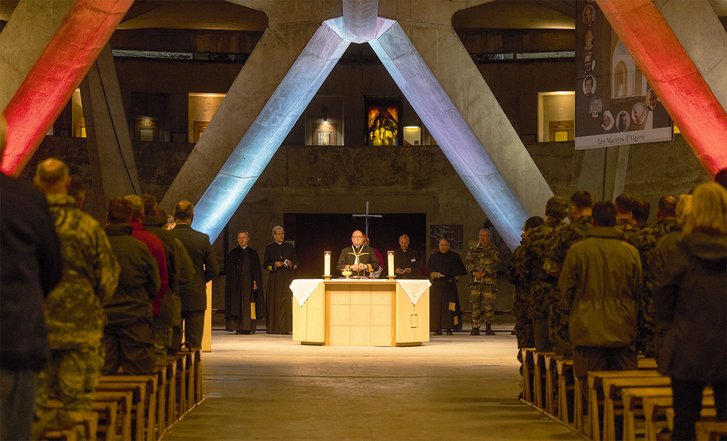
<point>243,288</point>
<point>443,269</point>
<point>280,262</point>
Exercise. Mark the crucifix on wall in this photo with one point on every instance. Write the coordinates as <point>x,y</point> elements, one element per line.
<point>367,216</point>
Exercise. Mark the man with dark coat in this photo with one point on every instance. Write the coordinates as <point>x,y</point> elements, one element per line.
<point>169,306</point>
<point>31,267</point>
<point>244,301</point>
<point>194,292</point>
<point>407,264</point>
<point>444,268</point>
<point>280,262</point>
<point>600,280</point>
<point>157,250</point>
<point>129,333</point>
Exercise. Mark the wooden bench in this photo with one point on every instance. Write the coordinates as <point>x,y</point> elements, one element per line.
<point>656,419</point>
<point>711,430</point>
<point>139,401</point>
<point>613,404</point>
<point>180,384</point>
<point>83,422</point>
<point>120,425</point>
<point>148,413</point>
<point>161,400</point>
<point>596,396</point>
<point>527,354</point>
<point>172,409</point>
<point>552,398</point>
<point>539,378</point>
<point>60,435</point>
<point>635,425</point>
<point>566,392</point>
<point>198,379</point>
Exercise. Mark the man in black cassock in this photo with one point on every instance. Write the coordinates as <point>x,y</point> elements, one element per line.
<point>280,261</point>
<point>443,268</point>
<point>244,287</point>
<point>359,257</point>
<point>407,264</point>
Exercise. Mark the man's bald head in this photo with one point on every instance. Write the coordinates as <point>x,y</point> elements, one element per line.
<point>184,212</point>
<point>52,176</point>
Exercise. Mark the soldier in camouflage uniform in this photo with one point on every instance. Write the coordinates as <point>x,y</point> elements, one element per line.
<point>74,309</point>
<point>481,262</point>
<point>537,246</point>
<point>625,220</point>
<point>521,291</point>
<point>581,221</point>
<point>666,222</point>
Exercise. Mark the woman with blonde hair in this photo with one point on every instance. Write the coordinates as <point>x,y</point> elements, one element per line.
<point>691,311</point>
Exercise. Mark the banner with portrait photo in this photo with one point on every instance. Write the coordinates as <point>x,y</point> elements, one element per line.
<point>614,103</point>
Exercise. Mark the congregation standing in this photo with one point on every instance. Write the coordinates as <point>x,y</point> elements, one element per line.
<point>601,289</point>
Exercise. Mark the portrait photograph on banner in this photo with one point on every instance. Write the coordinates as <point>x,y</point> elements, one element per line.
<point>614,103</point>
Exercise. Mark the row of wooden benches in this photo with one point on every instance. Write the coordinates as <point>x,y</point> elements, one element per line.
<point>139,407</point>
<point>630,405</point>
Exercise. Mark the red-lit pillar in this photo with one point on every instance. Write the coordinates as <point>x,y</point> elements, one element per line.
<point>670,71</point>
<point>71,49</point>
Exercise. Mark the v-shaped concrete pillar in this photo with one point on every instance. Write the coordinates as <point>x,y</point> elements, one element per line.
<point>443,84</point>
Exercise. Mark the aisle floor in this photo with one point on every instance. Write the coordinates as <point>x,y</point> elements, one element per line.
<point>458,387</point>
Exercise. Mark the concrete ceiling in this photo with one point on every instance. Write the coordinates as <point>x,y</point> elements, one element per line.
<point>222,15</point>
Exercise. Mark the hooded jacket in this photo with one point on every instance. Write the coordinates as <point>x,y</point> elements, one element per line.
<point>600,282</point>
<point>691,305</point>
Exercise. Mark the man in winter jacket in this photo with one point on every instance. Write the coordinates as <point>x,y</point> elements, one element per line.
<point>600,281</point>
<point>128,334</point>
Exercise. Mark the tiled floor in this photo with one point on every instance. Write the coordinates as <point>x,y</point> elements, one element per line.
<point>454,388</point>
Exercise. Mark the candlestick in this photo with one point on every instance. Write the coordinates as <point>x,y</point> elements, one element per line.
<point>327,264</point>
<point>391,264</point>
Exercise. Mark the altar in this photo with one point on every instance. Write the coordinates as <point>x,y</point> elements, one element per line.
<point>361,312</point>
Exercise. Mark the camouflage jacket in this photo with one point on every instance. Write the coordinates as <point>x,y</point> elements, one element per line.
<point>516,273</point>
<point>563,238</point>
<point>485,259</point>
<point>647,241</point>
<point>537,247</point>
<point>74,309</point>
<point>630,233</point>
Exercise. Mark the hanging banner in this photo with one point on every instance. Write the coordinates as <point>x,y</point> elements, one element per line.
<point>614,103</point>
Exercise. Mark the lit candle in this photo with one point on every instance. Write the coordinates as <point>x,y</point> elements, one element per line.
<point>326,264</point>
<point>391,263</point>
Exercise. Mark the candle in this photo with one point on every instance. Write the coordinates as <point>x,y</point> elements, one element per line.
<point>391,263</point>
<point>326,264</point>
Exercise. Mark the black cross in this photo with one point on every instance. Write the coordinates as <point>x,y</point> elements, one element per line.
<point>367,216</point>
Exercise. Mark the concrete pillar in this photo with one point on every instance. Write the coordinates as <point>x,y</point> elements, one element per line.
<point>703,37</point>
<point>428,24</point>
<point>359,20</point>
<point>669,69</point>
<point>110,153</point>
<point>289,30</point>
<point>603,172</point>
<point>70,44</point>
<point>26,35</point>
